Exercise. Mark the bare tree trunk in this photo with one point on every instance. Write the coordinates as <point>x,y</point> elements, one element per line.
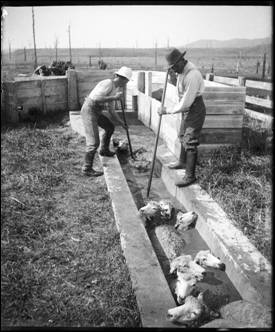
<point>264,61</point>
<point>156,55</point>
<point>56,43</point>
<point>34,43</point>
<point>70,50</point>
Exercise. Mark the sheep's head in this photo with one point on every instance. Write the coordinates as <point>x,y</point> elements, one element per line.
<point>184,288</point>
<point>206,259</point>
<point>150,210</point>
<point>193,269</point>
<point>185,220</point>
<point>189,312</point>
<point>166,209</point>
<point>180,261</point>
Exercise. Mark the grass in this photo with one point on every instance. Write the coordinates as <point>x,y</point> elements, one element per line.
<point>240,181</point>
<point>61,259</point>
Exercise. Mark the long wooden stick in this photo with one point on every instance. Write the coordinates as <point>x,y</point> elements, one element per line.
<point>157,137</point>
<point>127,131</point>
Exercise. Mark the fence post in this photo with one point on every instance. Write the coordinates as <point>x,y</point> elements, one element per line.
<point>73,103</point>
<point>209,77</point>
<point>141,81</point>
<point>242,80</point>
<point>148,85</point>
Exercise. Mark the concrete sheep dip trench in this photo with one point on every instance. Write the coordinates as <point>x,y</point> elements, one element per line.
<point>246,267</point>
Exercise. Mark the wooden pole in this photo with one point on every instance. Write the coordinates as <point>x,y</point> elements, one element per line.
<point>34,43</point>
<point>157,137</point>
<point>264,61</point>
<point>70,50</point>
<point>156,54</point>
<point>127,131</point>
<point>25,54</point>
<point>9,51</point>
<point>90,61</point>
<point>56,43</point>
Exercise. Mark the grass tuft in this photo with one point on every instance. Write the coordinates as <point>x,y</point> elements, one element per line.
<point>240,181</point>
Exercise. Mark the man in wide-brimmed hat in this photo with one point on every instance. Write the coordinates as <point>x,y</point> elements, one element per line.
<point>106,91</point>
<point>190,86</point>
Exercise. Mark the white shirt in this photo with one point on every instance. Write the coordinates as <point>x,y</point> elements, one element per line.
<point>190,85</point>
<point>102,89</point>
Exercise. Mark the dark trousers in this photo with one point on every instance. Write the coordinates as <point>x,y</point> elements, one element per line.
<point>191,125</point>
<point>92,117</point>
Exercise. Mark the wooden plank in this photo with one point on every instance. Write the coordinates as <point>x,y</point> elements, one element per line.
<point>55,87</point>
<point>56,99</point>
<point>73,100</point>
<point>258,116</point>
<point>226,80</point>
<point>93,76</point>
<point>221,135</point>
<point>259,85</point>
<point>155,104</point>
<point>85,86</point>
<point>58,106</point>
<point>144,108</point>
<point>212,108</point>
<point>223,96</point>
<point>25,85</point>
<point>43,100</point>
<point>227,89</point>
<point>259,101</point>
<point>223,121</point>
<point>12,114</point>
<point>29,92</point>
<point>29,101</point>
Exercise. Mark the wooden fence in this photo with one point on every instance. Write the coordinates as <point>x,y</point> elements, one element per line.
<point>48,94</point>
<point>257,127</point>
<point>224,118</point>
<point>267,103</point>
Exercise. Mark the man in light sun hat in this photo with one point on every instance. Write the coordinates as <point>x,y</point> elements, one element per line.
<point>190,86</point>
<point>106,91</point>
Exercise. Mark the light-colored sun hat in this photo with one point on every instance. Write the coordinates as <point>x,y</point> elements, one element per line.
<point>125,72</point>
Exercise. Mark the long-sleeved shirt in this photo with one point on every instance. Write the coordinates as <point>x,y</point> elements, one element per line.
<point>190,85</point>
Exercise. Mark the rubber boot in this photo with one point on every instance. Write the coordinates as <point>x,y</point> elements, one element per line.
<point>105,151</point>
<point>181,162</point>
<point>189,178</point>
<point>87,168</point>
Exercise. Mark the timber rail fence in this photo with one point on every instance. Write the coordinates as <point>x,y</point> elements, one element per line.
<point>55,94</point>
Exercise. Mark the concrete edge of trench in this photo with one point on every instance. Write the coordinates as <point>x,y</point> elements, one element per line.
<point>246,267</point>
<point>150,286</point>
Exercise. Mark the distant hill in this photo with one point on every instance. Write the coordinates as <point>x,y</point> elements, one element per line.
<point>231,43</point>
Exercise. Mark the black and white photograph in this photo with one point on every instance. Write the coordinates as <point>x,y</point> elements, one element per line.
<point>136,165</point>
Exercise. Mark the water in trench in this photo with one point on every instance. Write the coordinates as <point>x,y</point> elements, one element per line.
<point>217,287</point>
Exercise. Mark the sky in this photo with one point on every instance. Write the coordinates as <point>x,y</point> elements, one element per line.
<point>132,25</point>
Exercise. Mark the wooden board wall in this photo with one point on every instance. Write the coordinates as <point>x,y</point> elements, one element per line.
<point>223,122</point>
<point>45,94</point>
<point>87,80</point>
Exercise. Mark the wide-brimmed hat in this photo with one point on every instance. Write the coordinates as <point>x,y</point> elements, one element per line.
<point>174,56</point>
<point>125,72</point>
